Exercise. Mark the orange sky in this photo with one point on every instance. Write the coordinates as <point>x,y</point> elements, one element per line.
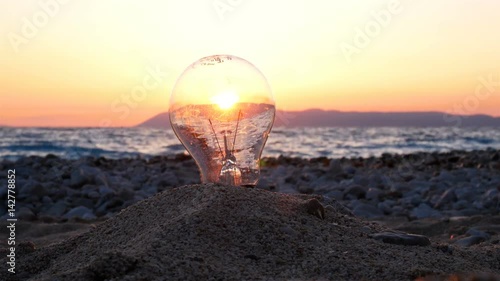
<point>88,63</point>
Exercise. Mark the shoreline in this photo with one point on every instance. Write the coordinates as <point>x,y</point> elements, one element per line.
<point>419,185</point>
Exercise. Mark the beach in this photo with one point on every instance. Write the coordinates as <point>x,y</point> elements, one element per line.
<point>83,207</point>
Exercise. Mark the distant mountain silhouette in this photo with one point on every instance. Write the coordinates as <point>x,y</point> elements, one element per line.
<point>161,120</point>
<point>333,118</point>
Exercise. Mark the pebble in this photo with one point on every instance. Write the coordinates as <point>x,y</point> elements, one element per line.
<point>305,189</point>
<point>56,210</point>
<point>373,194</point>
<point>447,197</point>
<point>315,208</point>
<point>104,190</point>
<point>32,188</point>
<point>335,168</point>
<point>401,238</point>
<point>25,214</point>
<point>355,192</point>
<point>336,194</point>
<point>479,233</point>
<point>465,193</point>
<point>80,212</point>
<point>386,206</point>
<point>424,211</point>
<point>367,211</point>
<point>469,241</point>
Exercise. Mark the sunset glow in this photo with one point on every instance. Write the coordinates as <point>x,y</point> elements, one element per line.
<point>225,100</point>
<point>114,63</point>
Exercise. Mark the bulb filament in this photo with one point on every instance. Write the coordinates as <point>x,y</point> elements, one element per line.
<point>230,173</point>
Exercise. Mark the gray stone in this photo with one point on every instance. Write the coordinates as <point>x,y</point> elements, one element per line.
<point>373,193</point>
<point>57,209</point>
<point>490,193</point>
<point>168,178</point>
<point>32,188</point>
<point>25,213</point>
<point>104,190</point>
<point>101,179</point>
<point>378,180</point>
<point>447,197</point>
<point>401,238</point>
<point>478,204</point>
<point>411,201</point>
<point>355,192</point>
<point>469,241</point>
<point>469,212</point>
<point>264,183</point>
<point>400,187</point>
<point>46,200</point>
<point>89,216</point>
<point>112,204</point>
<point>491,198</point>
<point>425,211</point>
<point>139,197</point>
<point>461,204</point>
<point>88,188</point>
<point>305,189</point>
<point>445,176</point>
<point>350,170</point>
<point>80,212</point>
<point>80,176</point>
<point>139,178</point>
<point>337,194</point>
<point>3,192</point>
<point>93,194</point>
<point>126,194</point>
<point>150,190</point>
<point>464,193</point>
<point>287,188</point>
<point>335,168</point>
<point>361,180</point>
<point>399,211</point>
<point>385,207</point>
<point>476,232</point>
<point>367,211</point>
<point>420,185</point>
<point>83,201</point>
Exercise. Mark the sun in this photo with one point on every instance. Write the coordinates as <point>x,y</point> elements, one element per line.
<point>225,100</point>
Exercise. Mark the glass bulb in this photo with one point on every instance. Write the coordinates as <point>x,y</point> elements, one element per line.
<point>222,110</point>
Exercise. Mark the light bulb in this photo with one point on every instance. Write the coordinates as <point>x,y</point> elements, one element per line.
<point>222,110</point>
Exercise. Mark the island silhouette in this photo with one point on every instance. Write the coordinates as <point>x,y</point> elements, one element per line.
<point>334,118</point>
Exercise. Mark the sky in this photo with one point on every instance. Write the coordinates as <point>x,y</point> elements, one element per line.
<point>114,62</point>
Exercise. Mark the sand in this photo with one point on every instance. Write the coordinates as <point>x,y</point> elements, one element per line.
<point>209,232</point>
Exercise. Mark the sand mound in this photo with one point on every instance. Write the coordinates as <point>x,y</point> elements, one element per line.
<point>209,232</point>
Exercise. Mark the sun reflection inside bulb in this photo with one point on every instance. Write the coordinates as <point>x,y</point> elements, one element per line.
<point>222,110</point>
<point>225,100</point>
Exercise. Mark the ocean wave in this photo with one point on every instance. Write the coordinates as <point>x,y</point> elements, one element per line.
<point>74,143</point>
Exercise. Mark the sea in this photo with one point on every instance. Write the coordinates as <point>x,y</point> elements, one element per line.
<point>335,142</point>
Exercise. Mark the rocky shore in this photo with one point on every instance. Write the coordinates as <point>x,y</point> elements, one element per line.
<point>415,186</point>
